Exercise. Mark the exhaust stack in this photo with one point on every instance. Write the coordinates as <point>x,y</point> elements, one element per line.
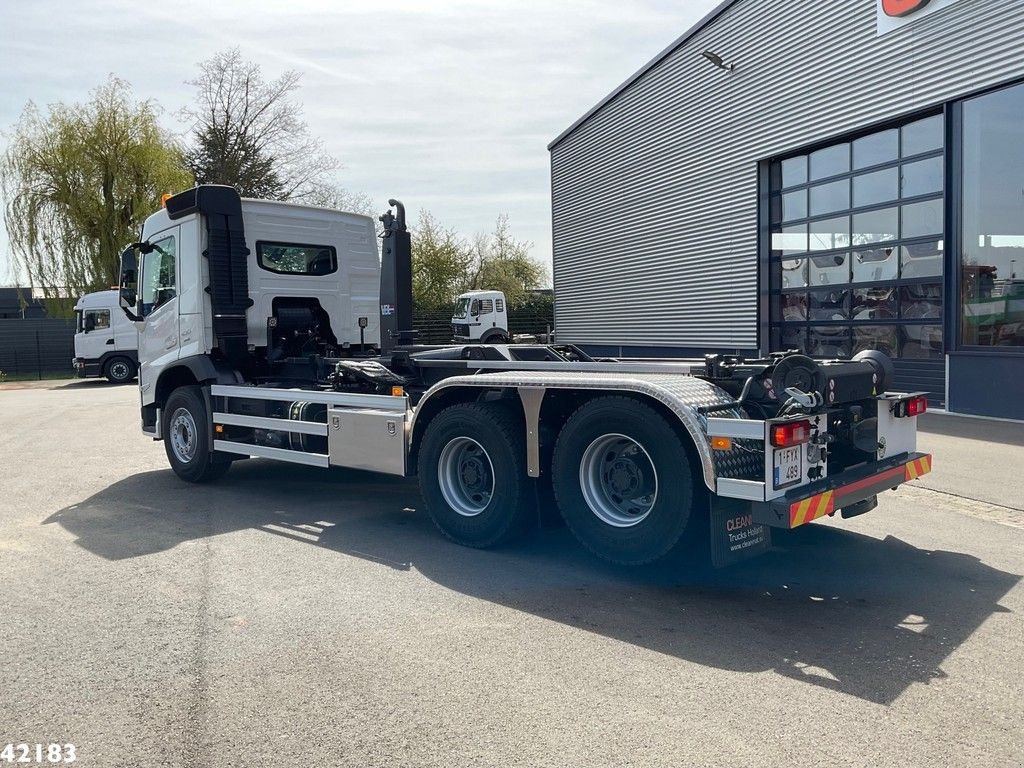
<point>395,281</point>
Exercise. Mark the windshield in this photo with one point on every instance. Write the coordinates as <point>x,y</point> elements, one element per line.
<point>462,308</point>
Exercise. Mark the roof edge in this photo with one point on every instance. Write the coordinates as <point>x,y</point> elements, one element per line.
<point>665,53</point>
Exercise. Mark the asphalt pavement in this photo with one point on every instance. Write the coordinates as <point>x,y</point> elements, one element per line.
<point>294,616</point>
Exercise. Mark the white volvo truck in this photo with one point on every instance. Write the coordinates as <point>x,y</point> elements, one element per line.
<point>250,320</point>
<point>106,342</point>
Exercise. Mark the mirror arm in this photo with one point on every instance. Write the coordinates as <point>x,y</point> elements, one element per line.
<point>131,315</point>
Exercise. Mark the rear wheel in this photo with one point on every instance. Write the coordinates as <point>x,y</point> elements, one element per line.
<point>473,476</point>
<point>187,438</point>
<point>119,370</point>
<point>622,479</point>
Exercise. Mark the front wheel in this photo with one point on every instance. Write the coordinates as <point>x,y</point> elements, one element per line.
<point>473,475</point>
<point>622,480</point>
<point>119,370</point>
<point>187,438</point>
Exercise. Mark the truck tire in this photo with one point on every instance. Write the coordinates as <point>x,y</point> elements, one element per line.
<point>119,370</point>
<point>187,438</point>
<point>622,480</point>
<point>494,337</point>
<point>473,476</point>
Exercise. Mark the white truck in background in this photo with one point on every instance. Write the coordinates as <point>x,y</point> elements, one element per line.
<point>106,342</point>
<point>481,316</point>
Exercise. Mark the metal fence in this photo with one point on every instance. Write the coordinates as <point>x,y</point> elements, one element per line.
<point>36,348</point>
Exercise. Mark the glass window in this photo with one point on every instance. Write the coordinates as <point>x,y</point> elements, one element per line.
<point>100,318</point>
<point>922,136</point>
<point>828,198</point>
<point>829,341</point>
<point>828,305</point>
<point>992,257</point>
<point>875,226</point>
<point>921,259</point>
<point>830,161</point>
<point>877,303</point>
<point>794,171</point>
<point>884,338</point>
<point>851,263</point>
<point>296,259</point>
<point>921,301</point>
<point>874,188</point>
<point>792,239</point>
<point>873,264</point>
<point>832,269</point>
<point>921,342</point>
<point>794,337</point>
<point>882,147</point>
<point>794,306</point>
<point>159,275</point>
<point>794,273</point>
<point>922,178</point>
<point>829,234</point>
<point>920,219</point>
<point>794,205</point>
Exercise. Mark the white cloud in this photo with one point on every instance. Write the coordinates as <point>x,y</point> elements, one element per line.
<point>448,105</point>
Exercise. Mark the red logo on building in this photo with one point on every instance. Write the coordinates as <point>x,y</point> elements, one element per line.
<point>899,8</point>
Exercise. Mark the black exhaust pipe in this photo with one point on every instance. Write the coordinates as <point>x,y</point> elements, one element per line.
<point>395,281</point>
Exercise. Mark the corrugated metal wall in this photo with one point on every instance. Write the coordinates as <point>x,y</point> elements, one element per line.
<point>654,196</point>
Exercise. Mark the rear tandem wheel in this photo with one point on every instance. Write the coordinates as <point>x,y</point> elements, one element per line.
<point>622,480</point>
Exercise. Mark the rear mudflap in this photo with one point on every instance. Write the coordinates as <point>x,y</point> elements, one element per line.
<point>735,536</point>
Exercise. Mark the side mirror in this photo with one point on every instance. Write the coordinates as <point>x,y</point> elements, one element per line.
<point>128,282</point>
<point>90,323</point>
<point>474,308</point>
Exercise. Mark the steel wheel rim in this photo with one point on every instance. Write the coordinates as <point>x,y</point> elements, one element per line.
<point>466,476</point>
<point>618,480</point>
<point>119,370</point>
<point>183,435</point>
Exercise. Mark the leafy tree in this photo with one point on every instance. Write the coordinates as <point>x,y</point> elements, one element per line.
<point>248,132</point>
<point>440,263</point>
<point>445,264</point>
<point>502,263</point>
<point>77,183</point>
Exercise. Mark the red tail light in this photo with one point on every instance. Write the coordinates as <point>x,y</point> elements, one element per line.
<point>791,433</point>
<point>915,406</point>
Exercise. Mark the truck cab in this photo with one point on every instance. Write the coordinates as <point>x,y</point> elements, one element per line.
<point>106,342</point>
<point>481,316</point>
<point>309,285</point>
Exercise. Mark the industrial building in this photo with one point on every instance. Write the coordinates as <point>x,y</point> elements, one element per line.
<point>830,175</point>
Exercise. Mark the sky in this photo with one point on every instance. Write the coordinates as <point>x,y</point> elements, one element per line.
<point>447,105</point>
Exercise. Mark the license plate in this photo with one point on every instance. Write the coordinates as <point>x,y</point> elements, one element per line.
<point>786,465</point>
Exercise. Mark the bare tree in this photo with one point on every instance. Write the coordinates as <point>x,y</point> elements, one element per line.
<point>249,133</point>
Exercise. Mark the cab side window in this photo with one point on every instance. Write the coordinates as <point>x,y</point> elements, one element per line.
<point>159,275</point>
<point>99,319</point>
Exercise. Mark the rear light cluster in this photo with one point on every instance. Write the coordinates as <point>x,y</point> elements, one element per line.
<point>913,406</point>
<point>791,433</point>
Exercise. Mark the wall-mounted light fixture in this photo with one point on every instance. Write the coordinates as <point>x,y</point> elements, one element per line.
<point>717,60</point>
